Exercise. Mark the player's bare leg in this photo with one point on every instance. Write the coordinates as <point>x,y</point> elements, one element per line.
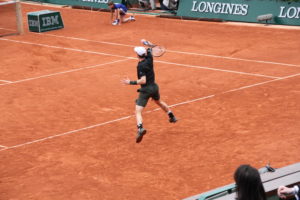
<point>130,18</point>
<point>139,120</point>
<point>118,16</point>
<point>165,107</point>
<point>138,114</point>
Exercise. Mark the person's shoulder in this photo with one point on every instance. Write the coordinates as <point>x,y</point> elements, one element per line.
<point>143,64</point>
<point>119,5</point>
<point>149,51</point>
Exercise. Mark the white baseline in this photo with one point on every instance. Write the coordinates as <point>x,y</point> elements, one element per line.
<point>5,81</point>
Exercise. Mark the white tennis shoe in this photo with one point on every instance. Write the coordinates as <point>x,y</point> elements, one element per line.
<point>132,18</point>
<point>116,22</point>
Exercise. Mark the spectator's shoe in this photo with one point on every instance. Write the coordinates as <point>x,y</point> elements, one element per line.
<point>140,133</point>
<point>173,119</point>
<point>132,18</point>
<point>142,4</point>
<point>116,22</point>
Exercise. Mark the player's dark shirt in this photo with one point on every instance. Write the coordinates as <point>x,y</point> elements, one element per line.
<point>145,68</point>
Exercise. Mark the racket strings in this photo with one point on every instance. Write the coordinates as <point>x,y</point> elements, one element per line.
<point>158,51</point>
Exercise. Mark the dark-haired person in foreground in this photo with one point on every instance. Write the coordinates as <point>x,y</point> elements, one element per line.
<point>248,184</point>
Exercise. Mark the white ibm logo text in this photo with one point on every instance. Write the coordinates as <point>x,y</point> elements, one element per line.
<point>50,21</point>
<point>33,23</point>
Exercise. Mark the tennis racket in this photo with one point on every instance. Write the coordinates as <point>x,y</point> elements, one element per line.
<point>158,51</point>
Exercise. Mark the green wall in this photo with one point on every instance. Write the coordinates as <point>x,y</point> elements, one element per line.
<point>285,13</point>
<point>87,3</point>
<point>242,10</point>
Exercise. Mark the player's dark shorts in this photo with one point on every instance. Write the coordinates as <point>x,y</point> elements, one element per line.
<point>147,92</point>
<point>122,12</point>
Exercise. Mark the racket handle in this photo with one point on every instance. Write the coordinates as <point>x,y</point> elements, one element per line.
<point>147,43</point>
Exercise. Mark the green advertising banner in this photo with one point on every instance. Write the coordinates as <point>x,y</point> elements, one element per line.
<point>44,20</point>
<point>85,3</point>
<point>277,11</point>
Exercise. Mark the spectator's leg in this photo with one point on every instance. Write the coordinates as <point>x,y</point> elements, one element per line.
<point>153,4</point>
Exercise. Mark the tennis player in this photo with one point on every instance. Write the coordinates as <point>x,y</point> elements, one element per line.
<point>119,11</point>
<point>149,89</point>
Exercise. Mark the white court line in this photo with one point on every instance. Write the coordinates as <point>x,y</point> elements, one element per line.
<point>87,40</point>
<point>165,62</point>
<point>215,69</point>
<point>67,133</point>
<point>5,81</point>
<point>63,72</point>
<point>71,49</point>
<point>1,146</point>
<point>126,117</point>
<point>173,51</point>
<point>8,29</point>
<point>180,52</point>
<point>232,58</point>
<point>249,86</point>
<point>8,2</point>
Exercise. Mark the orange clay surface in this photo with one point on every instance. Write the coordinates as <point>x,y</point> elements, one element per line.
<point>67,126</point>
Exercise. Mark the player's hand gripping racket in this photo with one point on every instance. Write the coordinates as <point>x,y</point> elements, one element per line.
<point>157,50</point>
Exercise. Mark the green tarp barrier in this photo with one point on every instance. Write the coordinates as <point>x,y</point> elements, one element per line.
<point>287,13</point>
<point>84,3</point>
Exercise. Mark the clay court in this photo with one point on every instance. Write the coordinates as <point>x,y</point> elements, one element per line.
<point>67,126</point>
